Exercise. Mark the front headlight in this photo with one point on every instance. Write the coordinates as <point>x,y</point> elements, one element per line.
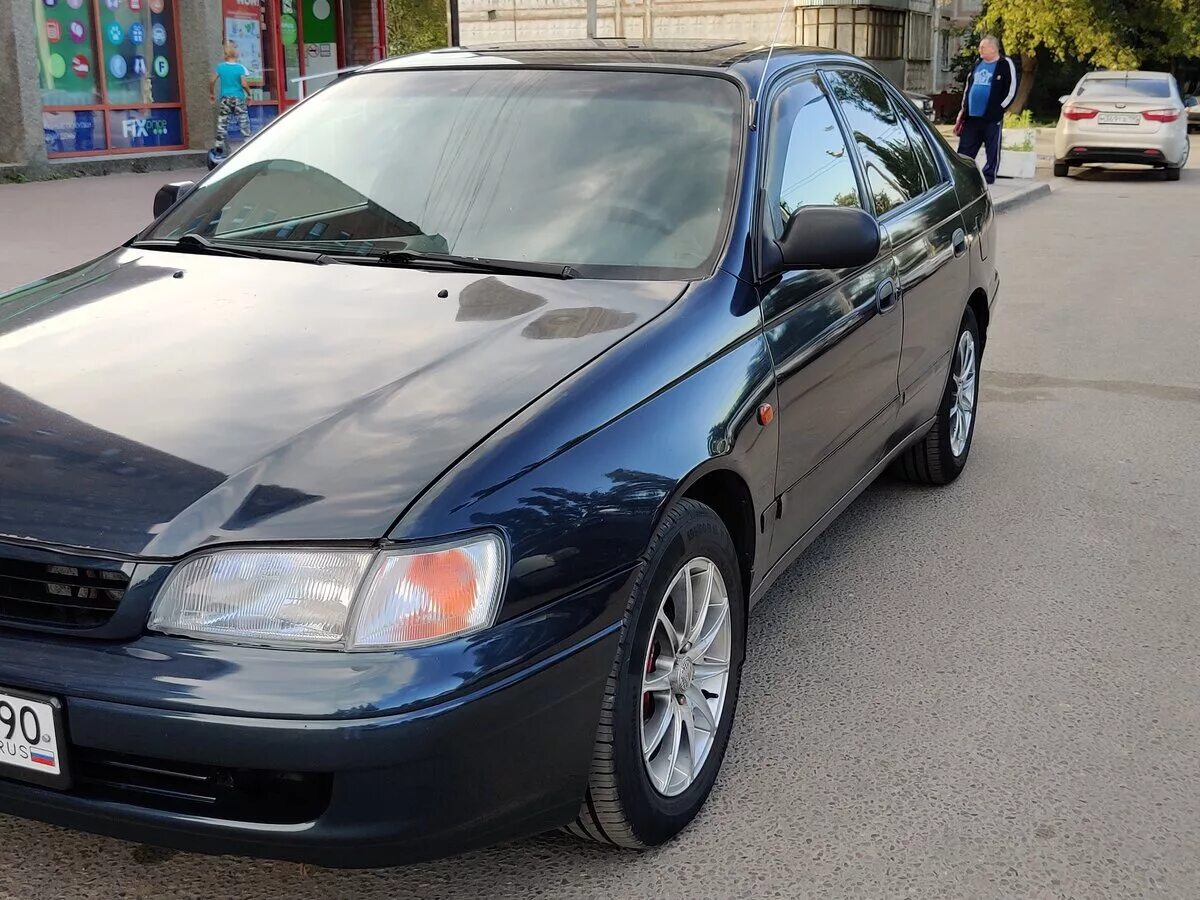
<point>335,599</point>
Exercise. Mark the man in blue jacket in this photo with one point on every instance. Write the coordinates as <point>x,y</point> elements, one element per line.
<point>991,87</point>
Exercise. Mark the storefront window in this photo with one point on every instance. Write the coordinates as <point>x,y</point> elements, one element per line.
<point>250,25</point>
<point>109,74</point>
<point>66,54</point>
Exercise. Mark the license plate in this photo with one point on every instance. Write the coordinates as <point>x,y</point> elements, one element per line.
<point>31,739</point>
<point>1120,119</point>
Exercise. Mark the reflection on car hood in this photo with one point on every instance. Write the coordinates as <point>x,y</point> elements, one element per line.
<point>153,402</point>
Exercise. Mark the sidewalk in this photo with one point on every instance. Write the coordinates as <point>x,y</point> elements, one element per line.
<point>1008,193</point>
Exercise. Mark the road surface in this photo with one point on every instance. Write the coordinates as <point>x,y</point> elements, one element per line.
<point>990,690</point>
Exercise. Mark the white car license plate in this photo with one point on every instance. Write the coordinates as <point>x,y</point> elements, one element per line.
<point>30,728</point>
<point>1120,118</point>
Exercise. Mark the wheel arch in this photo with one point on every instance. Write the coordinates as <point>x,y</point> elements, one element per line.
<point>978,304</point>
<point>727,494</point>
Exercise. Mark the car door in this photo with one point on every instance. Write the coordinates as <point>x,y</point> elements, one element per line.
<point>919,210</point>
<point>835,336</point>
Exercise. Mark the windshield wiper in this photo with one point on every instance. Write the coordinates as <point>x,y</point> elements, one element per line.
<point>198,243</point>
<point>467,263</point>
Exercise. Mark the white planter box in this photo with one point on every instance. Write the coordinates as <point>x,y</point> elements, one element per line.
<point>1018,164</point>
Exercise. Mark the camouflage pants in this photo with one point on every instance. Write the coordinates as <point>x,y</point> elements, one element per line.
<point>232,108</point>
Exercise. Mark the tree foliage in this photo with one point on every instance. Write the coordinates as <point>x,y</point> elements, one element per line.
<point>1111,34</point>
<point>415,25</point>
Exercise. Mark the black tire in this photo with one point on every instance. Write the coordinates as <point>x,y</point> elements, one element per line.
<point>1172,174</point>
<point>932,460</point>
<point>1061,170</point>
<point>622,808</point>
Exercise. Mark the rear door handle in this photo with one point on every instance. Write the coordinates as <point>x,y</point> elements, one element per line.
<point>960,242</point>
<point>886,295</point>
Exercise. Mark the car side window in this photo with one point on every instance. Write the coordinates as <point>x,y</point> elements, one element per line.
<point>920,144</point>
<point>807,154</point>
<point>894,173</point>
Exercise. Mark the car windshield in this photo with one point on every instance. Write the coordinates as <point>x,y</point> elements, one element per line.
<point>617,174</point>
<point>1125,88</point>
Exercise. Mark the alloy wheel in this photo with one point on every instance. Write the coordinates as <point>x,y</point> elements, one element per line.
<point>962,412</point>
<point>686,674</point>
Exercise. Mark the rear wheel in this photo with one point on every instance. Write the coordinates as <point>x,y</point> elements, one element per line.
<point>1061,170</point>
<point>941,455</point>
<point>669,704</point>
<point>1172,174</point>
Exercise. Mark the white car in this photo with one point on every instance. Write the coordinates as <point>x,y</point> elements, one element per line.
<point>1123,117</point>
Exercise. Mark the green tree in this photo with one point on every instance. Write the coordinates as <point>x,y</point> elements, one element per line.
<point>415,25</point>
<point>1111,34</point>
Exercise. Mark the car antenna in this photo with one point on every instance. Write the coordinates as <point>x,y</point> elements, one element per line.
<point>767,62</point>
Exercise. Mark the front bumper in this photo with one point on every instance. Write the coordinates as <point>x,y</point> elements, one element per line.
<point>419,754</point>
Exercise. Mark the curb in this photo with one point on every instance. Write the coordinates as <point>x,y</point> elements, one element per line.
<point>1026,195</point>
<point>136,163</point>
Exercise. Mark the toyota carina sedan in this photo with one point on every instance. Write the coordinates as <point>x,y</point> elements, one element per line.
<point>406,486</point>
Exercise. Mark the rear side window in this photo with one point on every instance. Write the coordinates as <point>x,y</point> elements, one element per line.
<point>808,157</point>
<point>894,173</point>
<point>920,144</point>
<point>1125,88</point>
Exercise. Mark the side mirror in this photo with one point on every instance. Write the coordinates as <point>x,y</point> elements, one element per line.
<point>1063,99</point>
<point>829,237</point>
<point>169,194</point>
<point>1191,102</point>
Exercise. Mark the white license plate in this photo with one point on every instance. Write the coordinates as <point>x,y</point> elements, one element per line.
<point>30,728</point>
<point>1120,119</point>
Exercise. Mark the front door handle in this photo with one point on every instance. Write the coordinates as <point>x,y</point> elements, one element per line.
<point>960,242</point>
<point>886,295</point>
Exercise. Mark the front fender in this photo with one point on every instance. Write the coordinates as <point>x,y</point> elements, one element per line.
<point>580,501</point>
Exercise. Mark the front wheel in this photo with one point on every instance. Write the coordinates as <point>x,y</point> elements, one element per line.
<point>941,455</point>
<point>670,700</point>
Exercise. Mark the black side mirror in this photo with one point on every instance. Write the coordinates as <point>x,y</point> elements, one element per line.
<point>1191,102</point>
<point>169,194</point>
<point>829,237</point>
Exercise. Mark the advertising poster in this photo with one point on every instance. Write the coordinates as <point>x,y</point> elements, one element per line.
<point>136,43</point>
<point>243,29</point>
<point>65,53</point>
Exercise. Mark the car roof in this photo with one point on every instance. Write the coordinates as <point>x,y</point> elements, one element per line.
<point>734,55</point>
<point>1120,76</point>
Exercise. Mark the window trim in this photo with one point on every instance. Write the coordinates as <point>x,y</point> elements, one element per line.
<point>762,224</point>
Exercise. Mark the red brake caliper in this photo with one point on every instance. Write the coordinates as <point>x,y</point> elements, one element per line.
<point>651,662</point>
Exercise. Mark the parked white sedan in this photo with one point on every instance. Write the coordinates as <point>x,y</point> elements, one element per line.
<point>1123,117</point>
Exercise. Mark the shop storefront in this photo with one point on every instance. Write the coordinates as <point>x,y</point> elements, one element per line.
<point>130,76</point>
<point>109,76</point>
<point>293,47</point>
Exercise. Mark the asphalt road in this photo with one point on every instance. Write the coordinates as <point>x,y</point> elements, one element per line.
<point>990,690</point>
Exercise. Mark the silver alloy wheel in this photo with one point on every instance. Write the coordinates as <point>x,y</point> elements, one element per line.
<point>686,673</point>
<point>963,410</point>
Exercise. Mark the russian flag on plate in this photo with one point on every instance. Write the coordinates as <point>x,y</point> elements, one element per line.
<point>42,757</point>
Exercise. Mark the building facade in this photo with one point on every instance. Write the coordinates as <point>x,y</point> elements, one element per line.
<point>954,18</point>
<point>106,79</point>
<point>900,37</point>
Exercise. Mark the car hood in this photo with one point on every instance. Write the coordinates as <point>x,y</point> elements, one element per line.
<point>153,402</point>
